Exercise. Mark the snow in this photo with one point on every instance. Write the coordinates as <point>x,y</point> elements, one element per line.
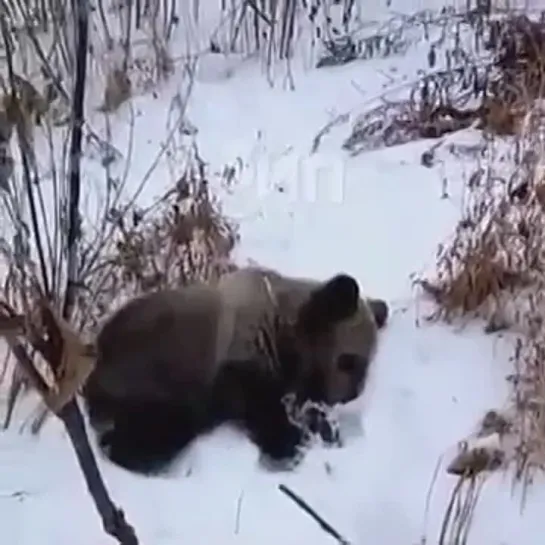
<point>378,216</point>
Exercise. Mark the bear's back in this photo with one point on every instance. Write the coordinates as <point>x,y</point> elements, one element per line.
<point>248,308</point>
<point>163,341</point>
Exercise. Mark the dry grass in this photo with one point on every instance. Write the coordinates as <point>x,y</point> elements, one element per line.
<point>123,250</point>
<point>134,46</point>
<point>460,510</point>
<point>485,70</point>
<point>182,238</point>
<point>493,268</point>
<point>491,448</point>
<point>62,271</point>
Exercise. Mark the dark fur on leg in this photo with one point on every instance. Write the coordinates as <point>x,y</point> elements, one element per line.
<point>147,437</point>
<point>261,412</point>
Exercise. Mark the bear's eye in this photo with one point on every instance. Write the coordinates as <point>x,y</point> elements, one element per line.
<point>347,363</point>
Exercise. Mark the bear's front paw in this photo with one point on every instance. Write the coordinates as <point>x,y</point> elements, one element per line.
<point>322,424</point>
<point>285,450</point>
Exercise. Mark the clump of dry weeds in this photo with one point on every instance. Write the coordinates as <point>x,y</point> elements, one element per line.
<point>494,253</point>
<point>182,238</point>
<point>493,268</point>
<point>485,70</point>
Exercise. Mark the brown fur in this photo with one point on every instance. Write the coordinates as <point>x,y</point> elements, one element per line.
<point>229,351</point>
<point>258,293</point>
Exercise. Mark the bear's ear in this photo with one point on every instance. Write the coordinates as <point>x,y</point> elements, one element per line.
<point>380,311</point>
<point>332,302</point>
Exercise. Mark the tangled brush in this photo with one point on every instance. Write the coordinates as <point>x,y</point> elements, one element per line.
<point>493,268</point>
<point>182,238</point>
<point>485,72</point>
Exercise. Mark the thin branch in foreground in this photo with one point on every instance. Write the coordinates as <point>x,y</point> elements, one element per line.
<point>326,527</point>
<point>113,519</point>
<point>81,8</point>
<point>71,361</point>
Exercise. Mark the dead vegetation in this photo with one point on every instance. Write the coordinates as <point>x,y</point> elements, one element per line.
<point>48,353</point>
<point>485,69</point>
<point>183,237</point>
<point>131,43</point>
<point>493,266</point>
<point>123,248</point>
<point>62,271</point>
<point>494,269</point>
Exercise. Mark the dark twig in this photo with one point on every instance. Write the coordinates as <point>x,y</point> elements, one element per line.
<point>326,527</point>
<point>112,517</point>
<point>338,120</point>
<point>81,11</point>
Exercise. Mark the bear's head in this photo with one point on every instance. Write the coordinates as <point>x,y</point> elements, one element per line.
<point>335,336</point>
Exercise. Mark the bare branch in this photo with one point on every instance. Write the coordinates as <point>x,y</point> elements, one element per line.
<point>326,527</point>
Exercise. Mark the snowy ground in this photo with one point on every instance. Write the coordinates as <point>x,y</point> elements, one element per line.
<point>380,217</point>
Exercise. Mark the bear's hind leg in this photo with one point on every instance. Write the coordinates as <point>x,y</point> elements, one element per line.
<point>147,437</point>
